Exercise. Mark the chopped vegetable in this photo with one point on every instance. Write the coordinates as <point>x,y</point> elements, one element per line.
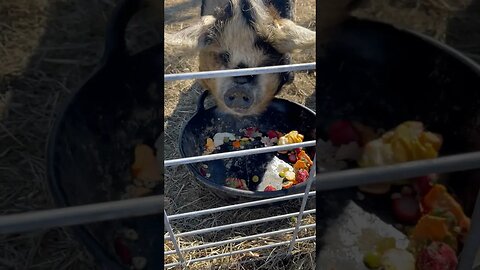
<point>423,185</point>
<point>291,137</point>
<point>218,139</point>
<point>122,251</point>
<point>292,157</point>
<point>290,176</point>
<point>384,244</point>
<point>302,175</point>
<point>236,144</point>
<point>372,260</point>
<point>145,166</point>
<point>236,183</point>
<point>407,142</point>
<point>437,256</point>
<point>406,209</point>
<point>342,132</point>
<point>438,198</point>
<point>269,188</point>
<point>209,147</point>
<point>255,179</point>
<point>431,228</point>
<point>398,259</point>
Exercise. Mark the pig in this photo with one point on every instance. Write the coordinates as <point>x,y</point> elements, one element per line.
<point>238,34</point>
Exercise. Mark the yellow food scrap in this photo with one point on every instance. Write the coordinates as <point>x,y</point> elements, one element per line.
<point>407,142</point>
<point>291,137</point>
<point>145,166</point>
<point>290,176</point>
<point>209,147</point>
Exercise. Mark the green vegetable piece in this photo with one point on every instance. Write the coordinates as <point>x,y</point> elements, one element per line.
<point>372,260</point>
<point>385,244</point>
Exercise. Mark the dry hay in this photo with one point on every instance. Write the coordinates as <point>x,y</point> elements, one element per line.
<point>47,49</point>
<point>184,194</point>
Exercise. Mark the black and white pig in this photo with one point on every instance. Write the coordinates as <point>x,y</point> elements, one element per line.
<point>237,34</point>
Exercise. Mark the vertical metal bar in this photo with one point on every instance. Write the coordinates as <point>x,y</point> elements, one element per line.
<point>173,238</point>
<point>469,252</point>
<point>310,180</point>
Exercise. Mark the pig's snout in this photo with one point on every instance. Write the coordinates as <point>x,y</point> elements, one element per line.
<point>238,99</point>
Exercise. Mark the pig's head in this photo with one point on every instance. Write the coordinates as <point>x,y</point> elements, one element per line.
<point>244,34</point>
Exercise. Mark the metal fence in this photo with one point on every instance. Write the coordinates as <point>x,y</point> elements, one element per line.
<point>173,237</point>
<point>84,214</point>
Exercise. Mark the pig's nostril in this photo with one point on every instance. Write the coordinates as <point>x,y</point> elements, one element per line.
<point>246,99</point>
<point>231,98</point>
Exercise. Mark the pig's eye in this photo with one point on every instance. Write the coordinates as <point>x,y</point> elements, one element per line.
<point>225,57</point>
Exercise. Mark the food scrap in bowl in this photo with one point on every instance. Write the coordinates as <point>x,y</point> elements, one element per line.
<point>285,170</point>
<point>145,172</point>
<point>433,221</point>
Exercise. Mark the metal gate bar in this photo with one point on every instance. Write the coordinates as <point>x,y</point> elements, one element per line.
<point>173,237</point>
<point>238,206</point>
<point>237,153</point>
<point>240,224</point>
<point>238,72</point>
<point>406,170</point>
<point>309,238</point>
<point>240,239</point>
<point>74,215</point>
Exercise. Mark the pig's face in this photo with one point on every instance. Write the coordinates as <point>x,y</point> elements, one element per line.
<point>244,34</point>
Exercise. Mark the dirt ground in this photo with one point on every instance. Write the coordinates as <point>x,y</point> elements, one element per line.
<point>49,47</point>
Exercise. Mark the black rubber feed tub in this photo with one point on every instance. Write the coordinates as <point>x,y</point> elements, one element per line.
<point>91,146</point>
<point>281,115</point>
<point>382,76</point>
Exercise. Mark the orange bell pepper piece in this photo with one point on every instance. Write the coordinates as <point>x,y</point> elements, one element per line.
<point>438,198</point>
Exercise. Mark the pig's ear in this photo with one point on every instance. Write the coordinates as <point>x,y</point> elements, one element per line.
<point>190,39</point>
<point>287,37</point>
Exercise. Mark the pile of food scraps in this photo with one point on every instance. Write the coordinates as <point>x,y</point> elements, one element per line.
<point>286,169</point>
<point>146,174</point>
<point>426,212</point>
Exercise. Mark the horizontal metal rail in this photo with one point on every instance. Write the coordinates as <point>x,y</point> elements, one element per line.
<point>304,239</point>
<point>240,239</point>
<point>154,204</point>
<point>472,243</point>
<point>237,206</point>
<point>239,224</point>
<point>406,170</point>
<point>237,153</point>
<point>75,215</point>
<point>238,72</point>
<point>46,219</point>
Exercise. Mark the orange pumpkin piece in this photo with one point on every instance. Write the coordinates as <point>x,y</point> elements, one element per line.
<point>431,228</point>
<point>145,167</point>
<point>438,198</point>
<point>236,144</point>
<point>303,156</point>
<point>287,185</point>
<point>300,164</point>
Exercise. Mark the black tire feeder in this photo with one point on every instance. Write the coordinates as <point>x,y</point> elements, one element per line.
<point>281,115</point>
<point>90,148</point>
<point>381,76</point>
